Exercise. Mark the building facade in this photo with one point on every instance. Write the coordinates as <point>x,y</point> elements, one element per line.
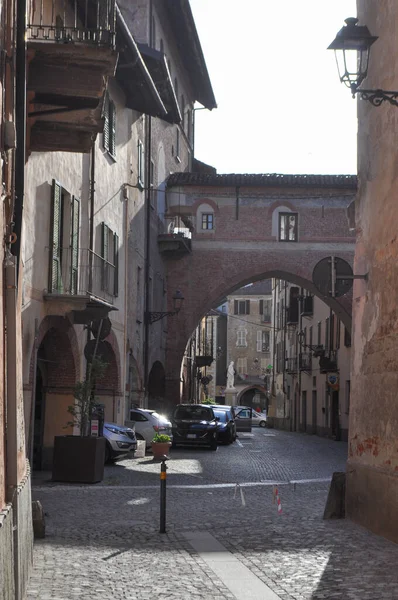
<point>249,342</point>
<point>372,469</point>
<point>311,347</point>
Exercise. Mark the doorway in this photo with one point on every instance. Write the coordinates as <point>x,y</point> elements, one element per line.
<point>38,430</point>
<point>314,412</point>
<point>335,421</point>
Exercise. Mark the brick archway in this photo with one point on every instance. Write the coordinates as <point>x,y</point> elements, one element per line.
<point>244,247</point>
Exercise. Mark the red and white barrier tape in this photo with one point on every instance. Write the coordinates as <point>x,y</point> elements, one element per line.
<point>278,500</point>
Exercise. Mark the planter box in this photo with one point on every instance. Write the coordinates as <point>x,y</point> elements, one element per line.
<point>78,459</point>
<point>160,449</point>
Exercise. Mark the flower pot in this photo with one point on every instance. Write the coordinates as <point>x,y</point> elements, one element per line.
<point>78,459</point>
<point>160,449</point>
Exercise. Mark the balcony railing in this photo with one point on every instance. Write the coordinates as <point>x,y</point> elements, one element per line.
<point>72,21</point>
<point>82,273</point>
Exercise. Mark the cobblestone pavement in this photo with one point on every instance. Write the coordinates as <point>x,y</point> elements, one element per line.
<point>103,542</point>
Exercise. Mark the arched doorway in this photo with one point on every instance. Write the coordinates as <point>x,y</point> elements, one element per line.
<point>107,388</point>
<point>254,397</point>
<point>157,387</point>
<point>54,393</point>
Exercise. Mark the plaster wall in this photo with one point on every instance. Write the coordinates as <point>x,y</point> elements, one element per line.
<point>7,586</point>
<point>372,470</point>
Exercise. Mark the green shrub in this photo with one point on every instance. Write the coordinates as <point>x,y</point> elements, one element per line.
<point>208,401</point>
<point>161,438</point>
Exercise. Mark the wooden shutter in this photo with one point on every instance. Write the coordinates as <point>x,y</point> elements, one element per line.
<point>112,128</point>
<point>105,114</point>
<point>104,254</point>
<point>261,311</point>
<point>55,239</point>
<point>236,307</point>
<point>247,307</point>
<point>259,340</point>
<point>74,245</point>
<point>116,263</point>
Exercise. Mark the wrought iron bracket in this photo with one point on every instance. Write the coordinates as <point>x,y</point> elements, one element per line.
<point>151,317</point>
<point>377,97</point>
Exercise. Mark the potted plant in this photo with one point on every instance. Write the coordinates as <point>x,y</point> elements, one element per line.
<point>81,458</point>
<point>160,445</point>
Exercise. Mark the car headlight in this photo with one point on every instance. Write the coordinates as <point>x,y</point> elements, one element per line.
<point>113,430</point>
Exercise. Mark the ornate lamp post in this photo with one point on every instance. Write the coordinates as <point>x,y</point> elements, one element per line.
<point>178,300</point>
<point>352,47</point>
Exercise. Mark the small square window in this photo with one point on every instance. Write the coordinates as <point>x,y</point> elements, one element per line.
<point>207,221</point>
<point>288,229</point>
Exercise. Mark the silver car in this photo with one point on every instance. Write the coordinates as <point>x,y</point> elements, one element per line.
<point>120,441</point>
<point>148,423</point>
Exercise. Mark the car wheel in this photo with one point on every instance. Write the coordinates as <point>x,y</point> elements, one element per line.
<point>263,424</point>
<point>214,445</point>
<point>107,454</point>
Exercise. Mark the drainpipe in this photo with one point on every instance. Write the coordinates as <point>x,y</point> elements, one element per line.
<point>13,365</point>
<point>147,308</point>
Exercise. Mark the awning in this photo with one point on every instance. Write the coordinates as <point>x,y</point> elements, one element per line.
<point>133,76</point>
<point>157,66</point>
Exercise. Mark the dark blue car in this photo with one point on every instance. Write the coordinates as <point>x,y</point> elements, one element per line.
<point>194,425</point>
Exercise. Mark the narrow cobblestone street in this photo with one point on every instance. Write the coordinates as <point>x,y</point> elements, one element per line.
<point>102,541</point>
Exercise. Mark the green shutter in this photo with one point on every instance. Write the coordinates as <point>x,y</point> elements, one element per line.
<point>54,283</point>
<point>112,128</point>
<point>104,255</point>
<point>74,245</point>
<point>105,114</point>
<point>116,263</point>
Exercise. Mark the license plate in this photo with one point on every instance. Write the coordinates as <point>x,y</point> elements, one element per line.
<point>191,435</point>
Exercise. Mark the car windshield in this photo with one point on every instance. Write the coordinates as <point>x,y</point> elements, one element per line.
<point>222,415</point>
<point>193,412</point>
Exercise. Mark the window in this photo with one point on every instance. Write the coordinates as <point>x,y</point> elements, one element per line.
<point>241,337</point>
<point>266,310</point>
<point>242,307</point>
<point>241,366</point>
<point>178,144</point>
<point>110,260</point>
<point>140,165</point>
<point>207,221</point>
<point>263,340</point>
<point>137,416</point>
<point>64,242</point>
<point>288,227</point>
<point>319,341</point>
<point>151,183</point>
<point>109,134</point>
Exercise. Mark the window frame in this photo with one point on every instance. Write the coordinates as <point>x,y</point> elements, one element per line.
<point>206,218</point>
<point>281,216</point>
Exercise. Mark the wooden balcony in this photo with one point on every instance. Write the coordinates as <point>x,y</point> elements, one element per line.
<point>71,54</point>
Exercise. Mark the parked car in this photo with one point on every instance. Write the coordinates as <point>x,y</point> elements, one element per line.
<point>120,441</point>
<point>194,425</point>
<point>232,409</point>
<point>148,423</point>
<point>257,419</point>
<point>226,428</point>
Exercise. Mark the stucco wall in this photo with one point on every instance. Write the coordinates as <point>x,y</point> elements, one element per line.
<point>6,555</point>
<point>372,485</point>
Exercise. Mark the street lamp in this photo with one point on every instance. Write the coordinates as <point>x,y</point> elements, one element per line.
<point>178,300</point>
<point>352,47</point>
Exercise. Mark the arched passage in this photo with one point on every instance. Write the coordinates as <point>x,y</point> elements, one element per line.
<point>107,387</point>
<point>157,387</point>
<point>254,396</point>
<point>55,381</point>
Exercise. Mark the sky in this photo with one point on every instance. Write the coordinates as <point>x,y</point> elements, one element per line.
<point>281,107</point>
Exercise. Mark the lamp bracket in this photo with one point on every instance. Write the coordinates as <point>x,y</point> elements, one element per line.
<point>377,97</point>
<point>151,317</point>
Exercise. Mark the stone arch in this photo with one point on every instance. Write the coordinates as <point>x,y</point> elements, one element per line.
<point>63,325</point>
<point>242,392</point>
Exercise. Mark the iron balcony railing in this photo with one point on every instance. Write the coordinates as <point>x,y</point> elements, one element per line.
<point>72,21</point>
<point>173,226</point>
<point>82,272</point>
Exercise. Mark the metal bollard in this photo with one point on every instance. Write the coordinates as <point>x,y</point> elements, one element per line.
<point>163,469</point>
